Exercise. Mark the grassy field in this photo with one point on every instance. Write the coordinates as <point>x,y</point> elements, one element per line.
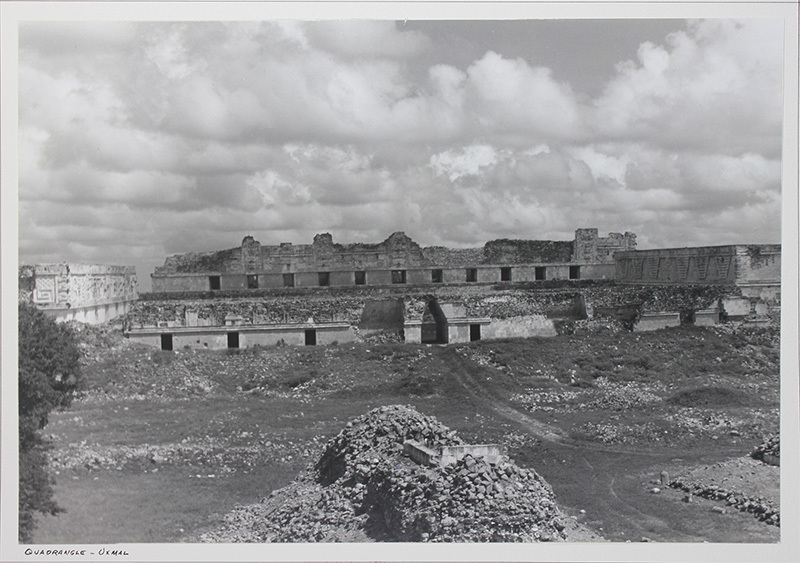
<point>162,445</point>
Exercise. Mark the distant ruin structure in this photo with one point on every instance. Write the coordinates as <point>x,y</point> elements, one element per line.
<point>397,291</point>
<point>753,265</point>
<point>754,270</point>
<point>88,293</point>
<point>396,261</point>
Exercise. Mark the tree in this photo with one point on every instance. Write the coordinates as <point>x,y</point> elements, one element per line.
<point>48,375</point>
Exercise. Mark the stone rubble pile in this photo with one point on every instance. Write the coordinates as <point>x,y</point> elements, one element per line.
<point>658,298</point>
<point>761,508</point>
<point>362,488</point>
<point>471,500</point>
<point>379,336</point>
<point>376,435</point>
<point>509,304</point>
<point>588,326</point>
<point>625,396</point>
<point>769,451</point>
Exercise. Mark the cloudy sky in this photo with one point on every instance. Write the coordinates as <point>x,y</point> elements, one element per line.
<point>140,140</point>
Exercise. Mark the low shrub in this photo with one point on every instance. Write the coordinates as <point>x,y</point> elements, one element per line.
<point>712,396</point>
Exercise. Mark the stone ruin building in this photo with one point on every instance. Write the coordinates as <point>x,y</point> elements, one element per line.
<point>754,270</point>
<point>396,290</point>
<point>397,260</point>
<point>88,293</point>
<point>398,263</point>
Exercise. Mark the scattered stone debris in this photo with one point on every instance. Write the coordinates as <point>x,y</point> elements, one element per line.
<point>363,488</point>
<point>760,508</point>
<point>744,484</point>
<point>769,451</point>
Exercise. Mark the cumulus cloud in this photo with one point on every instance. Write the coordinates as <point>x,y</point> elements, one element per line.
<point>510,95</point>
<point>701,90</point>
<point>155,138</point>
<point>466,162</point>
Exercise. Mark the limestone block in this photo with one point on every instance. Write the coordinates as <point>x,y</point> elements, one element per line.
<point>655,321</point>
<point>706,317</point>
<point>519,327</point>
<point>736,307</point>
<point>413,332</point>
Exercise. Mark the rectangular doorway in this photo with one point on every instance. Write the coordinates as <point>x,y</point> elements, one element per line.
<point>574,272</point>
<point>166,342</point>
<point>474,332</point>
<point>311,337</point>
<point>233,340</point>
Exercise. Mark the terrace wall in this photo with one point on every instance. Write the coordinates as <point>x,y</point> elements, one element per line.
<point>216,338</point>
<point>499,311</point>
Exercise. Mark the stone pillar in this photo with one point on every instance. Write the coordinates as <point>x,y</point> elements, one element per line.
<point>585,245</point>
<point>251,255</point>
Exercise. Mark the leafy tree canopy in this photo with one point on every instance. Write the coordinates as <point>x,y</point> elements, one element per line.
<point>48,374</point>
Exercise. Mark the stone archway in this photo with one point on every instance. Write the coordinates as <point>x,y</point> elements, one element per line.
<point>434,324</point>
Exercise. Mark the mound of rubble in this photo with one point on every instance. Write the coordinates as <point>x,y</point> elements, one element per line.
<point>769,451</point>
<point>363,488</point>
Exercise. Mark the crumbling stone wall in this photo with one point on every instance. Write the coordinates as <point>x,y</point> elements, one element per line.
<point>507,251</point>
<point>652,298</point>
<point>590,248</point>
<point>758,263</point>
<point>454,257</point>
<point>398,252</point>
<point>275,310</point>
<point>229,260</point>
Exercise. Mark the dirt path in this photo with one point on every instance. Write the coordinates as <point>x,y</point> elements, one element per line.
<point>483,396</point>
<point>612,485</point>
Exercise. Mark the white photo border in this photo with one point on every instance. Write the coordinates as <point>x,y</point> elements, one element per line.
<point>13,13</point>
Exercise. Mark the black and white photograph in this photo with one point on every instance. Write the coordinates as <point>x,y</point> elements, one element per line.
<point>472,284</point>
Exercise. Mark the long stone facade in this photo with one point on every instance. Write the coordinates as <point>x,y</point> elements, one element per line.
<point>397,290</point>
<point>740,265</point>
<point>396,261</point>
<point>89,293</point>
